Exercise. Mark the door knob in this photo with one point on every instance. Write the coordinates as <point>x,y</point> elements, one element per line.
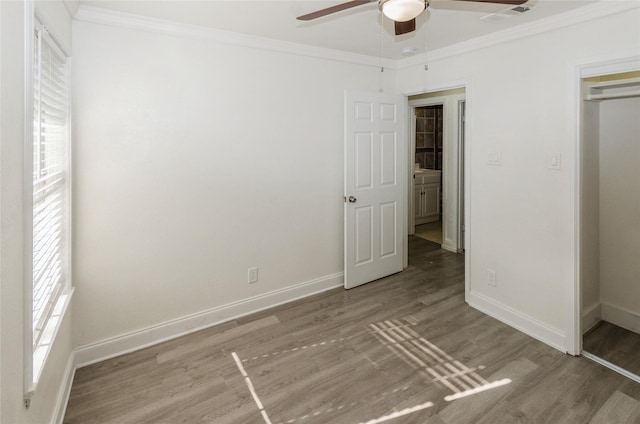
<point>352,199</point>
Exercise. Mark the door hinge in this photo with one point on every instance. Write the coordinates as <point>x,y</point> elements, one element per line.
<point>463,227</point>
<point>27,399</point>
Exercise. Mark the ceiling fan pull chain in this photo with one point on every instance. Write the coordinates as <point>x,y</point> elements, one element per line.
<point>426,56</point>
<point>382,45</point>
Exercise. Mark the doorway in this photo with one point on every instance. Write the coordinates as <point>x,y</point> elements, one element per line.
<point>610,221</point>
<point>428,169</point>
<point>436,195</point>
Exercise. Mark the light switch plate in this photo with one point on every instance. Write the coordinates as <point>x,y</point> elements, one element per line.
<point>494,158</point>
<point>554,161</point>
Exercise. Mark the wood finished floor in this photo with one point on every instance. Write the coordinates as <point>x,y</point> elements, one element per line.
<point>394,350</point>
<point>431,231</point>
<point>614,344</point>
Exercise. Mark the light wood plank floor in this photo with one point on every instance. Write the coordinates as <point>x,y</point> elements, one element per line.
<point>614,344</point>
<point>404,349</point>
<point>431,231</point>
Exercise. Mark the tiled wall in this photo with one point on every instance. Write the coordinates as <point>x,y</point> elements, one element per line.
<point>428,136</point>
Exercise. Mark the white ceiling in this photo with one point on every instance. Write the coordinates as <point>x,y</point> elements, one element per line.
<point>357,30</point>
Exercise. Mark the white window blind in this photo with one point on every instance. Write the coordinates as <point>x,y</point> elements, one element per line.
<point>50,181</point>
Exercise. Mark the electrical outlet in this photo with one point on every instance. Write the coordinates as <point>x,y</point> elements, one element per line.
<point>492,278</point>
<point>252,275</point>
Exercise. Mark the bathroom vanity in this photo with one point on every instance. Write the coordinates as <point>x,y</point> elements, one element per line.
<point>426,194</point>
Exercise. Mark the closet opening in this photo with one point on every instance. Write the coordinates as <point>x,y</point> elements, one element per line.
<point>610,221</point>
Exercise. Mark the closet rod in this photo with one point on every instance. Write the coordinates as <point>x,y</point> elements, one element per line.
<point>610,96</point>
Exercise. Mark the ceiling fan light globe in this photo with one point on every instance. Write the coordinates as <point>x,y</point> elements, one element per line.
<point>402,10</point>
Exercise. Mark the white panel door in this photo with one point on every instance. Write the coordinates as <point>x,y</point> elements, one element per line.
<point>375,164</point>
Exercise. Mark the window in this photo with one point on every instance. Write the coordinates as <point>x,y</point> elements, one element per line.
<point>50,192</point>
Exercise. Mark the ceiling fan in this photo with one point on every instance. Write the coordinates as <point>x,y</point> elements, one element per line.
<point>402,12</point>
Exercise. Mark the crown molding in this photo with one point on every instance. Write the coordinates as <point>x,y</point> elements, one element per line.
<point>596,10</point>
<point>103,16</point>
<point>71,6</point>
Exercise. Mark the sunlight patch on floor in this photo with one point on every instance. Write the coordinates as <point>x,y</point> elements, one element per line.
<point>430,360</point>
<point>400,413</point>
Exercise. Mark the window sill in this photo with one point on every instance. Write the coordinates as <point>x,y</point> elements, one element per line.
<point>41,352</point>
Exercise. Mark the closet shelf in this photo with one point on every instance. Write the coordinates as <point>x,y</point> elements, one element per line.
<point>614,89</point>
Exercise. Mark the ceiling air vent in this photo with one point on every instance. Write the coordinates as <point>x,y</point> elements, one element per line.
<point>507,13</point>
<point>409,51</point>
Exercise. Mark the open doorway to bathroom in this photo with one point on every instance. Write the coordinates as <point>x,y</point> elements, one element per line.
<point>428,172</point>
<point>437,144</point>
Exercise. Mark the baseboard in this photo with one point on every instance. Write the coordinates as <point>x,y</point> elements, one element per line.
<point>519,321</point>
<point>135,340</point>
<point>621,317</point>
<point>65,391</point>
<point>591,317</point>
<point>449,247</point>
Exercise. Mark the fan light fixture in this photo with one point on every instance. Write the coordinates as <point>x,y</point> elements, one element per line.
<point>402,10</point>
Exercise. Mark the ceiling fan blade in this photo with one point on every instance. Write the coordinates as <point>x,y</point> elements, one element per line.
<point>405,27</point>
<point>333,9</point>
<point>509,2</point>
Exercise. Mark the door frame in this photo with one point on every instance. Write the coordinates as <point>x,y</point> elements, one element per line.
<point>461,105</point>
<point>576,73</point>
<point>468,131</point>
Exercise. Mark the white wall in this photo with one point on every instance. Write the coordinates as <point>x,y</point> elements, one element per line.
<point>620,211</point>
<point>522,215</point>
<point>195,160</point>
<point>50,391</point>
